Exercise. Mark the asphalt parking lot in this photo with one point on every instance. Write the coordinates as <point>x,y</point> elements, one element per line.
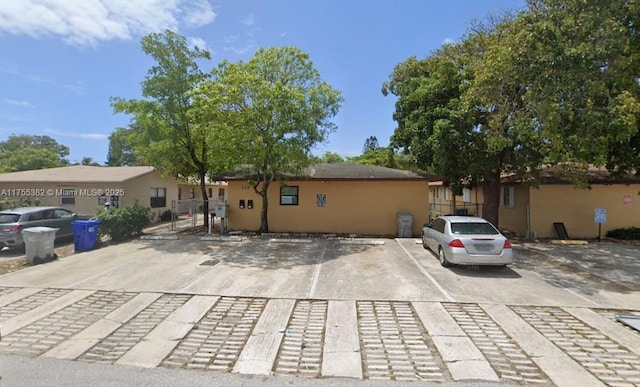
<point>333,307</point>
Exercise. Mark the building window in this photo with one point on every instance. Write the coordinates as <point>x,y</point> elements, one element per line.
<point>466,195</point>
<point>192,193</point>
<point>508,197</point>
<point>221,194</point>
<point>68,196</point>
<point>289,196</point>
<point>447,194</point>
<point>158,197</point>
<point>436,193</point>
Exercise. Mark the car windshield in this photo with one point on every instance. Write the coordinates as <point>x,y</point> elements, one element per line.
<point>473,228</point>
<point>9,218</point>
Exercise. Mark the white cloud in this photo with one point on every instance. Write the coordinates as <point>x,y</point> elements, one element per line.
<point>248,21</point>
<point>87,136</point>
<point>197,42</point>
<point>88,22</point>
<point>17,117</point>
<point>19,103</point>
<point>243,49</point>
<point>76,87</point>
<point>448,41</point>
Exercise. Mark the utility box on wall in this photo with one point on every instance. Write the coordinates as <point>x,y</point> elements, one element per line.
<point>221,210</point>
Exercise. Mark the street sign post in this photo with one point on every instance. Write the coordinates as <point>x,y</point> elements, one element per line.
<point>600,218</point>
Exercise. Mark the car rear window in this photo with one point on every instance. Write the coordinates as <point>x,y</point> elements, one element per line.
<point>472,228</point>
<point>9,218</point>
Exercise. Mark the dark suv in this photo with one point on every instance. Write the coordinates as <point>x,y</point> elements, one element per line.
<point>13,221</point>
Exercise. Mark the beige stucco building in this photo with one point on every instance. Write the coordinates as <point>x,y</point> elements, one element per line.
<point>86,189</point>
<point>340,198</point>
<point>532,211</point>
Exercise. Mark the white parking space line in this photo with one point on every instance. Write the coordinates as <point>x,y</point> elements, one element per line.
<point>316,273</point>
<point>446,295</point>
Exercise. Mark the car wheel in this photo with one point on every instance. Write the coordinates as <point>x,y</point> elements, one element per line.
<point>443,258</point>
<point>424,244</point>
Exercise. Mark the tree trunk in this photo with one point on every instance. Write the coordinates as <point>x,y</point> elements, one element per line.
<point>492,198</point>
<point>264,219</point>
<point>205,200</point>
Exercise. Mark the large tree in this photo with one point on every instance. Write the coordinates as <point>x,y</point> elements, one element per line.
<point>554,84</point>
<point>122,147</point>
<point>170,138</point>
<point>24,152</point>
<point>276,109</point>
<point>370,144</point>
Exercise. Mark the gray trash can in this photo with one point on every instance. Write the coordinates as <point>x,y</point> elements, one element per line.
<point>405,225</point>
<point>39,243</point>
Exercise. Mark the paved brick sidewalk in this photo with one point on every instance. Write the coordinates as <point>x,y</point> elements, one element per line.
<point>365,339</point>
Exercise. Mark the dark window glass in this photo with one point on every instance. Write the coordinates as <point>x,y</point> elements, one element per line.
<point>289,196</point>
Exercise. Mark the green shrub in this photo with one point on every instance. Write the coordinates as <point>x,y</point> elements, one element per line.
<point>123,223</point>
<point>7,204</point>
<point>631,233</point>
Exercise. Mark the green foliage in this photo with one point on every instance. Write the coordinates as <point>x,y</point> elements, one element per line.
<point>271,111</point>
<point>122,142</point>
<point>123,223</point>
<point>18,202</point>
<point>370,144</point>
<point>380,156</point>
<point>328,157</point>
<point>167,133</point>
<point>89,161</point>
<point>554,84</point>
<point>631,233</point>
<point>24,153</point>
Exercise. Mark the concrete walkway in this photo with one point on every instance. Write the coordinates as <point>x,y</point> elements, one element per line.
<point>287,310</point>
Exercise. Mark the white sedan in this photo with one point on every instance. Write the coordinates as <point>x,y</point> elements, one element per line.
<point>466,240</point>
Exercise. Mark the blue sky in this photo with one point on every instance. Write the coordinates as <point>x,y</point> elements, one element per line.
<point>63,59</point>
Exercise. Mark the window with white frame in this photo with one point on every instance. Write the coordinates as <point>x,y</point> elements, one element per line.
<point>466,195</point>
<point>436,193</point>
<point>508,196</point>
<point>447,194</point>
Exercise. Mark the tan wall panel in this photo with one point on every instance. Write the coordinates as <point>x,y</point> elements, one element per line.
<point>575,208</point>
<point>514,219</point>
<point>351,207</point>
<point>87,200</point>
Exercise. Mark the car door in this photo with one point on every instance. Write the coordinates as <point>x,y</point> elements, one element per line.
<point>48,218</point>
<point>63,218</point>
<point>434,232</point>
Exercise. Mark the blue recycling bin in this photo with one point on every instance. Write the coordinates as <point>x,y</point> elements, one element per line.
<point>85,234</point>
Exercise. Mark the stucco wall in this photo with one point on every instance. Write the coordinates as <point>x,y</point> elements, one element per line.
<point>140,189</point>
<point>87,194</point>
<point>514,219</point>
<point>361,207</point>
<point>575,208</point>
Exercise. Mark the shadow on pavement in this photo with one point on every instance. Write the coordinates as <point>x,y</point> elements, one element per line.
<point>255,251</point>
<point>485,271</point>
<point>586,268</point>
